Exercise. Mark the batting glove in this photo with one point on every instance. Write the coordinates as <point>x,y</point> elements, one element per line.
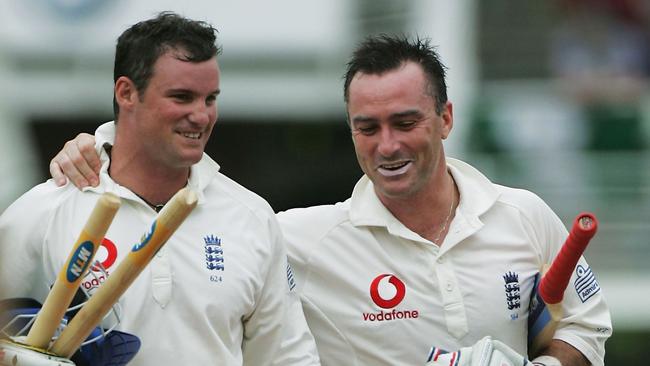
<point>486,352</point>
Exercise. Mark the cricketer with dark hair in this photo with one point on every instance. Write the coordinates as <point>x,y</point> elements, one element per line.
<point>425,250</point>
<point>217,293</point>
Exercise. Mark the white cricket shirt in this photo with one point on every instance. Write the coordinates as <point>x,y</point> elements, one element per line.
<point>376,293</point>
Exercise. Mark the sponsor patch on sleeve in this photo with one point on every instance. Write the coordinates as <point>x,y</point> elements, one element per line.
<point>586,285</point>
<point>290,279</point>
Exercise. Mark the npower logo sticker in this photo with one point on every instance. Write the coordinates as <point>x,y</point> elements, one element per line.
<point>145,238</point>
<point>400,291</point>
<point>385,282</point>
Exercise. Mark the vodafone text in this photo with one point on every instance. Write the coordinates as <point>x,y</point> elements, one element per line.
<point>390,315</point>
<point>94,282</point>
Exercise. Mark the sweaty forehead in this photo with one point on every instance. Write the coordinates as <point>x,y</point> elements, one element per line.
<point>409,75</point>
<point>406,84</point>
<point>170,73</point>
<point>174,63</point>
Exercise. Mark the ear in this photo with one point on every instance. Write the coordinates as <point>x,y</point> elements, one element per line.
<point>126,94</point>
<point>447,120</point>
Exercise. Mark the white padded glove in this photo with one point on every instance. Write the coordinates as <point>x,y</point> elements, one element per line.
<point>546,361</point>
<point>486,352</point>
<point>13,355</point>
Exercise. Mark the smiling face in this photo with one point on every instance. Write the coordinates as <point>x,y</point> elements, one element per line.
<point>174,116</point>
<point>397,132</point>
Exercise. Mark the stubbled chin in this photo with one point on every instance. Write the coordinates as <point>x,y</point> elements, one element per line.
<point>192,153</point>
<point>393,185</point>
<point>393,191</point>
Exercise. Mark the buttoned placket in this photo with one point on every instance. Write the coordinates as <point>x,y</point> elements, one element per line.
<point>452,299</point>
<point>159,267</point>
<point>161,278</point>
<point>460,228</point>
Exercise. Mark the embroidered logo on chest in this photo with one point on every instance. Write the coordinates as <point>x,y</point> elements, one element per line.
<point>213,256</point>
<point>512,289</point>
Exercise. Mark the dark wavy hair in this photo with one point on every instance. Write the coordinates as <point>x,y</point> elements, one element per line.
<point>140,46</point>
<point>382,53</point>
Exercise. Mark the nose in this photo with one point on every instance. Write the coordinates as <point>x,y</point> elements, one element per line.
<point>203,114</point>
<point>388,144</point>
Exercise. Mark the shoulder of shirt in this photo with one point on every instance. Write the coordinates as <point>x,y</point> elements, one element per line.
<point>518,197</point>
<point>40,205</point>
<point>239,194</point>
<point>304,228</point>
<point>45,196</point>
<point>540,222</point>
<point>480,188</point>
<point>528,203</point>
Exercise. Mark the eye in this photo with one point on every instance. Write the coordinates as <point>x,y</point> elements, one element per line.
<point>406,125</point>
<point>366,130</point>
<point>211,99</point>
<point>182,97</point>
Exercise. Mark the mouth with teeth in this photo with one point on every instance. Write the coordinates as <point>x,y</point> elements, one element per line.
<point>393,169</point>
<point>191,135</point>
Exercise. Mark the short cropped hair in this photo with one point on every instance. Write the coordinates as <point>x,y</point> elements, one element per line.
<point>383,53</point>
<point>140,46</point>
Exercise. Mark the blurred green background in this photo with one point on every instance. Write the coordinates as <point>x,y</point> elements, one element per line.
<point>550,96</point>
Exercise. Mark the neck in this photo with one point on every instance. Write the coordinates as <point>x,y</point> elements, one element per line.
<point>152,182</point>
<point>428,213</point>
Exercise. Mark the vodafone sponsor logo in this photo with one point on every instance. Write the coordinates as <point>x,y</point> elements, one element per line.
<point>106,256</point>
<point>400,291</point>
<point>93,282</point>
<point>387,291</point>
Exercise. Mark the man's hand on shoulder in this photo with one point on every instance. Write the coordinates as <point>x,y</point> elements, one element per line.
<point>77,161</point>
